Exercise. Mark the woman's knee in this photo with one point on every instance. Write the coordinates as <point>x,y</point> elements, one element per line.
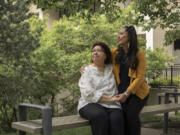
<point>117,116</point>
<point>94,112</point>
<point>99,115</point>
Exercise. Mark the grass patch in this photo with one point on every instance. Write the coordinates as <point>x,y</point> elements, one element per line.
<point>8,133</point>
<point>74,131</point>
<point>151,118</point>
<point>177,117</point>
<point>159,118</point>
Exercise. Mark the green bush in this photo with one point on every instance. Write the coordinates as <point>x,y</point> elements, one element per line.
<point>157,61</point>
<point>53,62</point>
<point>17,44</point>
<point>165,81</point>
<point>43,64</point>
<point>64,49</point>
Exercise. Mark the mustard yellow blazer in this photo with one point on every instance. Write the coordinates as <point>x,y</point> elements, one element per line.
<point>138,85</point>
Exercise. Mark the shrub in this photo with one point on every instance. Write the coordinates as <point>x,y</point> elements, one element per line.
<point>17,44</point>
<point>157,61</point>
<point>165,81</point>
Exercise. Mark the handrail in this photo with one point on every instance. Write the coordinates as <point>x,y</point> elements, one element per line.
<point>46,117</point>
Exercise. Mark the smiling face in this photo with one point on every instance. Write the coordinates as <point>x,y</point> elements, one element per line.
<point>123,37</point>
<point>98,55</point>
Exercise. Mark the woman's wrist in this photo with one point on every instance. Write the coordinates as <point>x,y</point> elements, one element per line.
<point>127,93</point>
<point>105,98</point>
<point>112,99</point>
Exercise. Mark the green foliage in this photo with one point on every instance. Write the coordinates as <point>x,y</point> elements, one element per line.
<point>145,13</point>
<point>151,118</point>
<point>165,81</point>
<point>142,43</point>
<point>37,65</point>
<point>14,43</point>
<point>157,61</point>
<point>171,36</point>
<point>128,15</point>
<point>110,8</point>
<point>73,131</point>
<point>64,49</point>
<point>17,43</point>
<point>37,27</point>
<point>161,13</point>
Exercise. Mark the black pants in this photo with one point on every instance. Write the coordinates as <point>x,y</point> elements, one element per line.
<point>104,121</point>
<point>131,109</point>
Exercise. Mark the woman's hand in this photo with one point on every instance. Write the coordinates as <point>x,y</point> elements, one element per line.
<point>122,98</point>
<point>105,98</point>
<point>115,98</point>
<point>82,68</point>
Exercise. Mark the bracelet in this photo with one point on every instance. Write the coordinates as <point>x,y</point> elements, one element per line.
<point>126,94</point>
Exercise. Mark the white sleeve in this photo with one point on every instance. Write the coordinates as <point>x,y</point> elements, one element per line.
<point>87,88</point>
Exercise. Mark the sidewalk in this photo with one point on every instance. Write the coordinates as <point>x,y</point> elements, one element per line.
<point>156,128</point>
<point>150,131</point>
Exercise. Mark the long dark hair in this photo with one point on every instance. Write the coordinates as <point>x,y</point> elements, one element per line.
<point>132,50</point>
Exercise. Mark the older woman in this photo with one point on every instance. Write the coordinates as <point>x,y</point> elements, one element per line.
<point>98,102</point>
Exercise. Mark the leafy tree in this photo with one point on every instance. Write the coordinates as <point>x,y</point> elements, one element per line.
<point>16,45</point>
<point>161,9</point>
<point>157,61</point>
<point>146,13</point>
<point>160,13</point>
<point>37,65</point>
<point>171,36</point>
<point>64,49</point>
<point>72,7</point>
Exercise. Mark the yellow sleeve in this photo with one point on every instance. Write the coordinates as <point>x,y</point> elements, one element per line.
<point>140,73</point>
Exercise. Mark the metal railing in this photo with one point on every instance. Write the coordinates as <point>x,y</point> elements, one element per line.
<point>170,74</point>
<point>172,71</point>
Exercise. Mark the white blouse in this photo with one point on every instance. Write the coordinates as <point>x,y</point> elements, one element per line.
<point>94,83</point>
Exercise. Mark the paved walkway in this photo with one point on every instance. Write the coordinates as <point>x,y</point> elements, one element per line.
<point>150,131</point>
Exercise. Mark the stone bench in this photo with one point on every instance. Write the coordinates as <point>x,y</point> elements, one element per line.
<point>47,125</point>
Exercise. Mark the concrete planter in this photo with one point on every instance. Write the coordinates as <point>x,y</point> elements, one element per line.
<point>153,99</point>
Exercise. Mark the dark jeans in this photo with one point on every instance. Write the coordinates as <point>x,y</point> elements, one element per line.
<point>104,121</point>
<point>131,109</point>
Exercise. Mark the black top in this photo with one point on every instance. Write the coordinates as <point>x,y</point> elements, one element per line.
<point>124,78</point>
